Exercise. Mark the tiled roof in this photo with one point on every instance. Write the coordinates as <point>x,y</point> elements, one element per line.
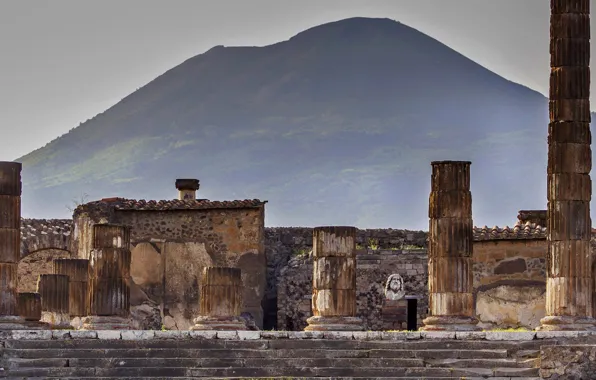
<point>175,204</point>
<point>518,231</point>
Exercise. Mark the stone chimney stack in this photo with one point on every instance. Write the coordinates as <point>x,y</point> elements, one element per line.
<point>187,189</point>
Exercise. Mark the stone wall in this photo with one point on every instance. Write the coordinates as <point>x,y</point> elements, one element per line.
<point>39,262</point>
<point>283,244</point>
<point>568,362</point>
<point>170,249</point>
<point>510,282</point>
<point>372,271</point>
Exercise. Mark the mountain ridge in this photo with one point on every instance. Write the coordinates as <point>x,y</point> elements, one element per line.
<point>336,125</point>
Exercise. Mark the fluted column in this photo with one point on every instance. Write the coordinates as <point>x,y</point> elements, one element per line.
<point>221,300</point>
<point>109,271</point>
<point>53,289</point>
<point>10,243</point>
<point>77,271</point>
<point>29,307</point>
<point>569,283</point>
<point>450,249</point>
<point>334,280</point>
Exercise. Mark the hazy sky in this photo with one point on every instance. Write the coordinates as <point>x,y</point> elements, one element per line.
<point>64,61</point>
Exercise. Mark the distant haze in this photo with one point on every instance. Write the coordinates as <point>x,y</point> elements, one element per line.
<point>64,61</point>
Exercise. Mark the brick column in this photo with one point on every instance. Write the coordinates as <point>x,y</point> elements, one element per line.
<point>10,243</point>
<point>53,289</point>
<point>569,283</point>
<point>221,300</point>
<point>29,306</point>
<point>334,280</point>
<point>450,249</point>
<point>109,271</point>
<point>77,271</point>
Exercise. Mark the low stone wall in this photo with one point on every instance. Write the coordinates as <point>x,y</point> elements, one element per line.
<point>372,270</point>
<point>568,362</point>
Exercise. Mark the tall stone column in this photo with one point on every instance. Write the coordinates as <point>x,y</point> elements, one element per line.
<point>10,243</point>
<point>109,271</point>
<point>221,300</point>
<point>29,306</point>
<point>53,289</point>
<point>334,280</point>
<point>569,283</point>
<point>77,271</point>
<point>450,249</point>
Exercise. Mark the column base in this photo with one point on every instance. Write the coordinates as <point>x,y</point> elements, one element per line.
<point>317,323</point>
<point>105,322</point>
<point>450,323</point>
<point>566,323</point>
<point>57,321</point>
<point>12,322</point>
<point>218,323</point>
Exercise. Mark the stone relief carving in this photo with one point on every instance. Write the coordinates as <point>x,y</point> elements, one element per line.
<point>395,289</point>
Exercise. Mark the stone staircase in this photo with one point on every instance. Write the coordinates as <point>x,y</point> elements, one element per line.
<point>186,355</point>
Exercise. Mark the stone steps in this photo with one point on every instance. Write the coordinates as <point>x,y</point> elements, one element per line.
<point>81,356</point>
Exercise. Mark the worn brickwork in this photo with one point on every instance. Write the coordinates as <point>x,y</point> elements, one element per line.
<point>568,362</point>
<point>510,282</point>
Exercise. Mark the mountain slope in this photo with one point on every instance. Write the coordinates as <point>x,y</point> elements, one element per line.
<point>337,125</point>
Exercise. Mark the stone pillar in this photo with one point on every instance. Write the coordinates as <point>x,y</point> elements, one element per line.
<point>53,289</point>
<point>29,306</point>
<point>569,283</point>
<point>221,300</point>
<point>450,247</point>
<point>10,243</point>
<point>109,273</point>
<point>187,189</point>
<point>334,280</point>
<point>77,272</point>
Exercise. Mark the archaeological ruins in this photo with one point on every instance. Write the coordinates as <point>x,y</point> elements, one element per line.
<point>195,288</point>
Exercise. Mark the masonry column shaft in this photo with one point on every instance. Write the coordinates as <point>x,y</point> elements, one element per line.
<point>569,283</point>
<point>109,273</point>
<point>53,289</point>
<point>29,306</point>
<point>10,243</point>
<point>221,300</point>
<point>334,280</point>
<point>450,249</point>
<point>77,271</point>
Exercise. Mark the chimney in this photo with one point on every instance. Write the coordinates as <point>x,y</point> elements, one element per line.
<point>187,189</point>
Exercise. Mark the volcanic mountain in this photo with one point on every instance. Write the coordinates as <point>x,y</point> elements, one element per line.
<point>337,125</point>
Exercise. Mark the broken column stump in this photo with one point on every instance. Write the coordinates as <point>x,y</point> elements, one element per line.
<point>221,300</point>
<point>569,283</point>
<point>451,301</point>
<point>10,243</point>
<point>77,271</point>
<point>109,271</point>
<point>54,292</point>
<point>29,306</point>
<point>334,280</point>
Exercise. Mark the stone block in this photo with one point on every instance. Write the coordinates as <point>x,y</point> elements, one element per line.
<point>470,335</point>
<point>227,335</point>
<point>556,334</point>
<point>171,334</point>
<point>437,334</point>
<point>32,334</point>
<point>274,335</point>
<point>514,335</point>
<point>305,334</point>
<point>137,334</point>
<point>83,334</point>
<point>341,335</point>
<point>393,335</point>
<point>61,334</point>
<point>203,334</point>
<point>109,334</point>
<point>248,335</point>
